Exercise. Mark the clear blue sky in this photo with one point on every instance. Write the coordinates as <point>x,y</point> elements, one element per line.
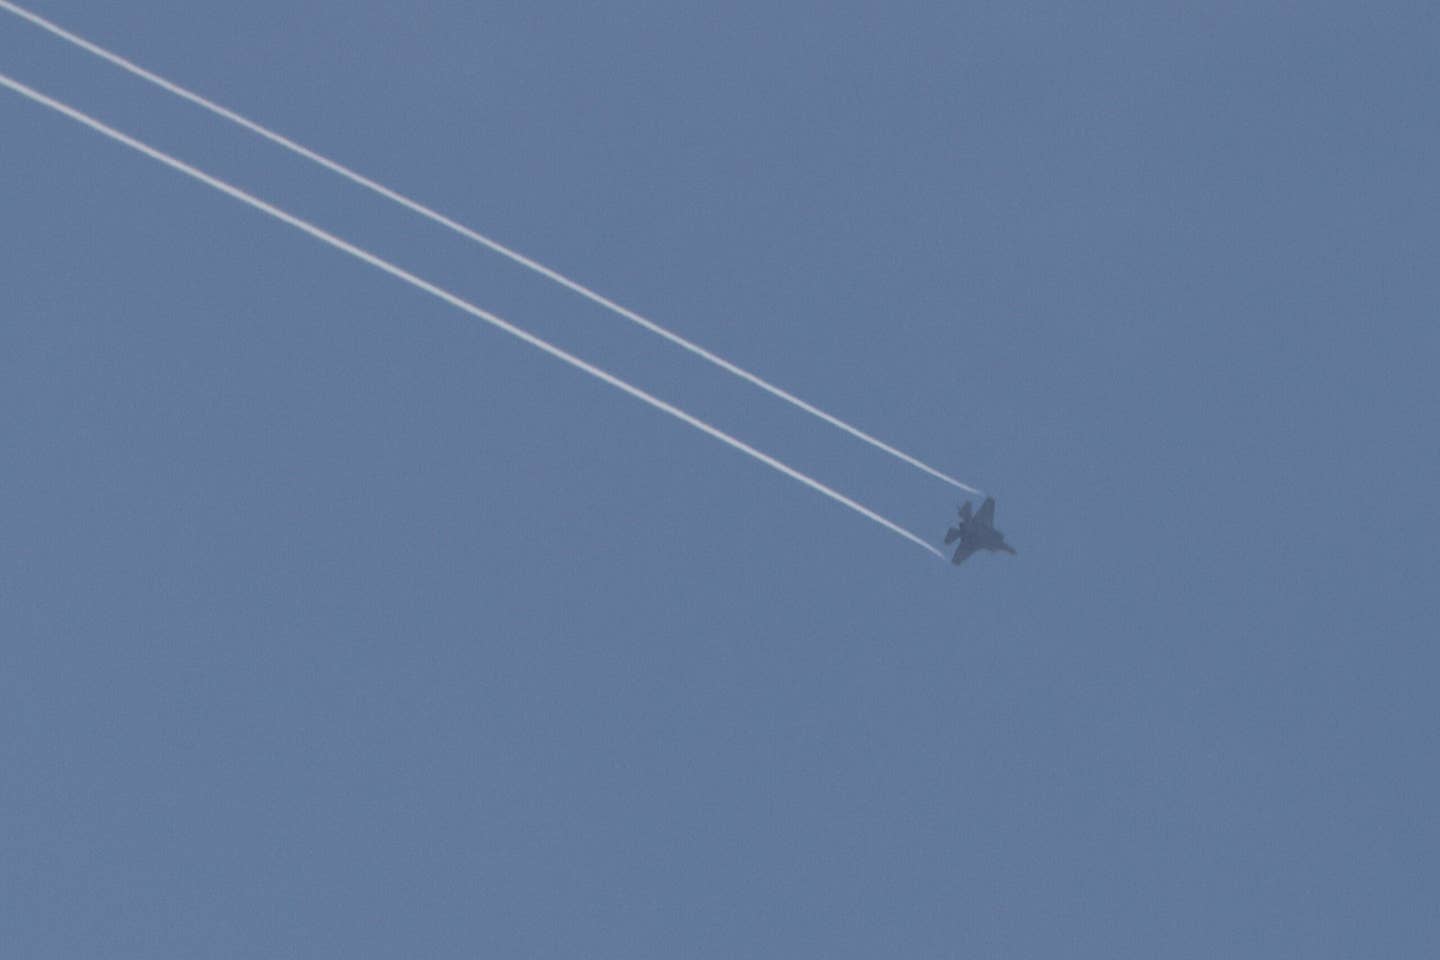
<point>335,624</point>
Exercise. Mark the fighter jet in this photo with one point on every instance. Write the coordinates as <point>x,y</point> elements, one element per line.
<point>977,532</point>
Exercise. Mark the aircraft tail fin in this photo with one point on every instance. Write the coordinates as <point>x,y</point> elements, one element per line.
<point>965,511</point>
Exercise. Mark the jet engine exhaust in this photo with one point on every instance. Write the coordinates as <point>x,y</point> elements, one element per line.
<point>477,237</point>
<point>455,301</point>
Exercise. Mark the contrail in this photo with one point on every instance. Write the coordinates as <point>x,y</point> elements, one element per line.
<point>455,301</point>
<point>464,231</point>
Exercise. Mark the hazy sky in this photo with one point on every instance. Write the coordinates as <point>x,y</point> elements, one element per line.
<point>334,623</point>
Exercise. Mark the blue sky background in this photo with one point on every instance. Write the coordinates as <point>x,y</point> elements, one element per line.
<point>335,624</point>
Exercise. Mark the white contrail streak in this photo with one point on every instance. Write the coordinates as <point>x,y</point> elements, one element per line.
<point>455,301</point>
<point>464,231</point>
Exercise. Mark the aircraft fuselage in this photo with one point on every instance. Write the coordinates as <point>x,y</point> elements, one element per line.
<point>976,531</point>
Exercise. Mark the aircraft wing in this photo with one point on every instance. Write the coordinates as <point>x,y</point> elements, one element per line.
<point>952,535</point>
<point>962,553</point>
<point>986,516</point>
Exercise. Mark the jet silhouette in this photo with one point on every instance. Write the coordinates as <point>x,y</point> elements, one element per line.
<point>977,532</point>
